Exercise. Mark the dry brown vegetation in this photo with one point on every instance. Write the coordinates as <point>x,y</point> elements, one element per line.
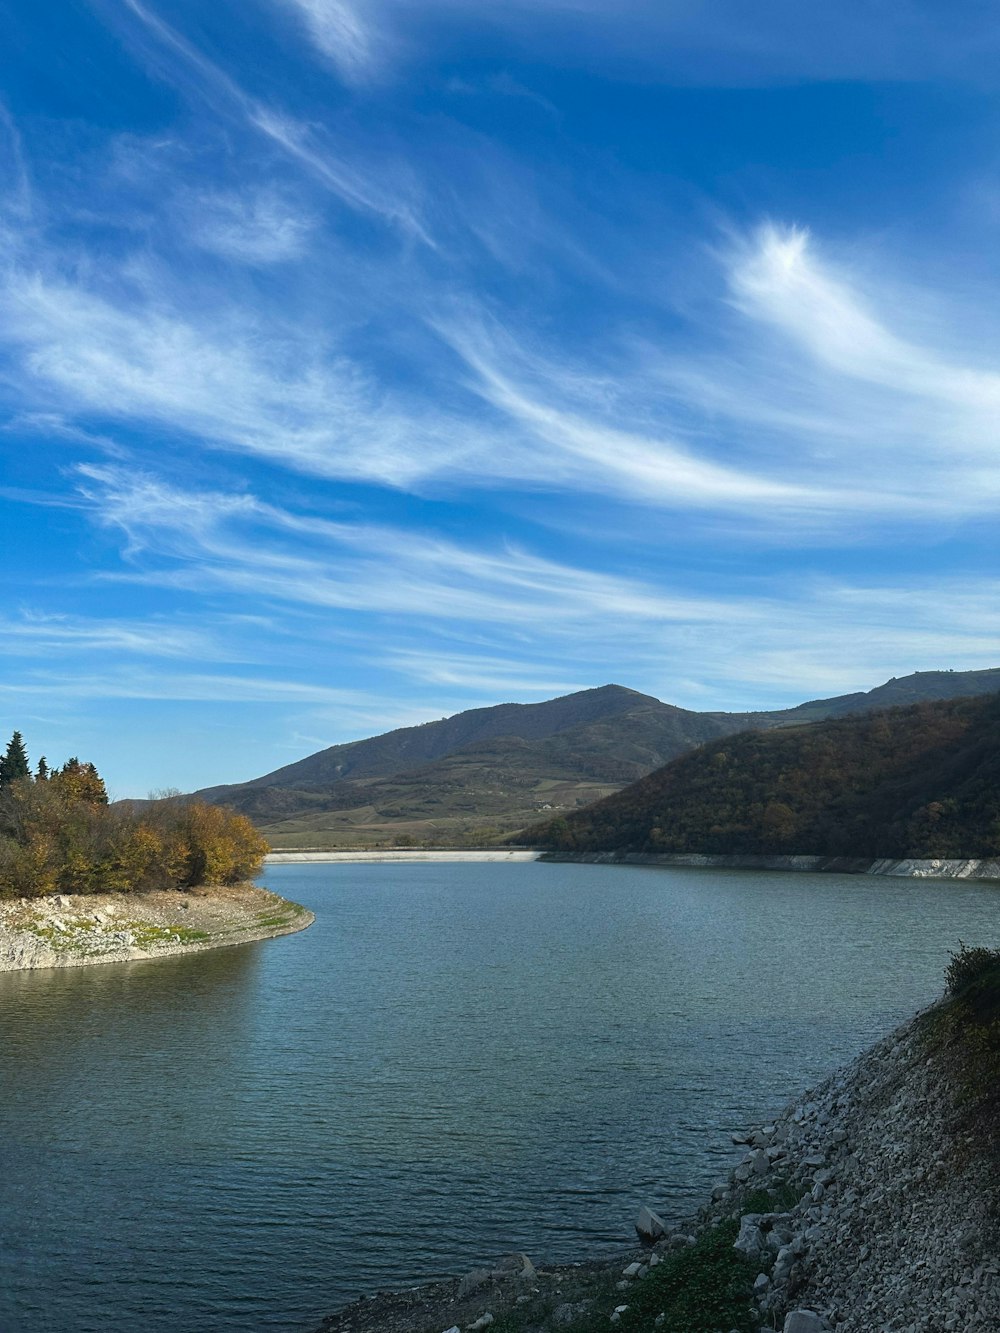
<point>56,838</point>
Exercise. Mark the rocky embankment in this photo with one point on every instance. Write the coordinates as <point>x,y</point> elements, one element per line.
<point>868,1206</point>
<point>71,931</point>
<point>896,1227</point>
<point>842,865</point>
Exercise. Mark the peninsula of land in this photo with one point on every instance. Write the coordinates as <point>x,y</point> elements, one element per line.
<point>80,930</point>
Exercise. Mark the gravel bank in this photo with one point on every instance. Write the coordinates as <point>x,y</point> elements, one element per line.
<point>76,931</point>
<point>897,1227</point>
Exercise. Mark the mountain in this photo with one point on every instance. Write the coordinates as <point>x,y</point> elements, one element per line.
<point>920,781</point>
<point>473,775</point>
<point>487,771</point>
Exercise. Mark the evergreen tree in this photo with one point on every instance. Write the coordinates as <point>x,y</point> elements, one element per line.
<point>14,763</point>
<point>80,782</point>
<point>42,771</point>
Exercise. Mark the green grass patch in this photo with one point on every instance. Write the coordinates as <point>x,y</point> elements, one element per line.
<point>699,1289</point>
<point>147,936</point>
<point>962,1033</point>
<point>968,966</point>
<point>706,1287</point>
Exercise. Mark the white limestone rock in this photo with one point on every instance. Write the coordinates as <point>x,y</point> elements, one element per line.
<point>649,1226</point>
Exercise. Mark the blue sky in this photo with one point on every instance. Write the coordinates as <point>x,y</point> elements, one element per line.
<point>366,362</point>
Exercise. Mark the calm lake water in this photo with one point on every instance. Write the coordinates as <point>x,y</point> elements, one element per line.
<point>455,1061</point>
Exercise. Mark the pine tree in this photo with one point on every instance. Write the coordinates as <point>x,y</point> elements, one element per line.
<point>14,763</point>
<point>42,771</point>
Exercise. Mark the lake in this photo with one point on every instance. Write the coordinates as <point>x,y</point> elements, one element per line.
<point>455,1061</point>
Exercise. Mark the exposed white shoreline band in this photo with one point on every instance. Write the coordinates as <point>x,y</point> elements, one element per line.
<point>286,858</point>
<point>844,865</point>
<point>912,869</point>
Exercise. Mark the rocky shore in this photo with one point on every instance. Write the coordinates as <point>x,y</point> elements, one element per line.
<point>71,931</point>
<point>869,1205</point>
<point>896,1226</point>
<point>842,865</point>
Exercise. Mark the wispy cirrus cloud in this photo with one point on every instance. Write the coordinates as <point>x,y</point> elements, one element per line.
<point>43,632</point>
<point>384,191</point>
<point>799,405</point>
<point>247,546</point>
<point>648,467</point>
<point>780,280</point>
<point>799,424</point>
<point>506,615</point>
<point>717,43</point>
<point>256,226</point>
<point>192,687</point>
<point>216,375</point>
<point>487,675</point>
<point>341,34</point>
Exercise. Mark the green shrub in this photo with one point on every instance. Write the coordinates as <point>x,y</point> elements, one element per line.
<point>969,965</point>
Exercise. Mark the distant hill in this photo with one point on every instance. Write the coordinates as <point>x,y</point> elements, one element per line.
<point>470,776</point>
<point>921,781</point>
<point>474,776</point>
<point>920,687</point>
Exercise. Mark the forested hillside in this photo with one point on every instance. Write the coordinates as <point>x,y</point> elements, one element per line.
<point>922,781</point>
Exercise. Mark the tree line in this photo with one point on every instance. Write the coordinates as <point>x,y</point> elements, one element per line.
<point>59,834</point>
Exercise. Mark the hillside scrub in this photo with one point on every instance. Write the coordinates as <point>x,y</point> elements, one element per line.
<point>59,835</point>
<point>921,781</point>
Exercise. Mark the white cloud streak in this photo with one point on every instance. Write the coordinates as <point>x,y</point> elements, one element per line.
<point>649,469</point>
<point>780,281</point>
<point>192,687</point>
<point>799,427</point>
<point>265,392</point>
<point>255,227</point>
<point>374,569</point>
<point>719,43</point>
<point>359,187</point>
<point>340,33</point>
<point>41,632</point>
<point>750,646</point>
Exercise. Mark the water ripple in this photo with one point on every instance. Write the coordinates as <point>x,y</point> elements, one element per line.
<point>453,1062</point>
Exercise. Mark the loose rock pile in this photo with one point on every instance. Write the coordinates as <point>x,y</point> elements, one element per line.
<point>896,1226</point>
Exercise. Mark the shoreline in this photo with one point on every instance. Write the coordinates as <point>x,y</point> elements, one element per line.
<point>909,868</point>
<point>278,858</point>
<point>972,868</point>
<point>861,1207</point>
<point>88,929</point>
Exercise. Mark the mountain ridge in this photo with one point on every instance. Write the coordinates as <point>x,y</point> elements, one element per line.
<point>487,771</point>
